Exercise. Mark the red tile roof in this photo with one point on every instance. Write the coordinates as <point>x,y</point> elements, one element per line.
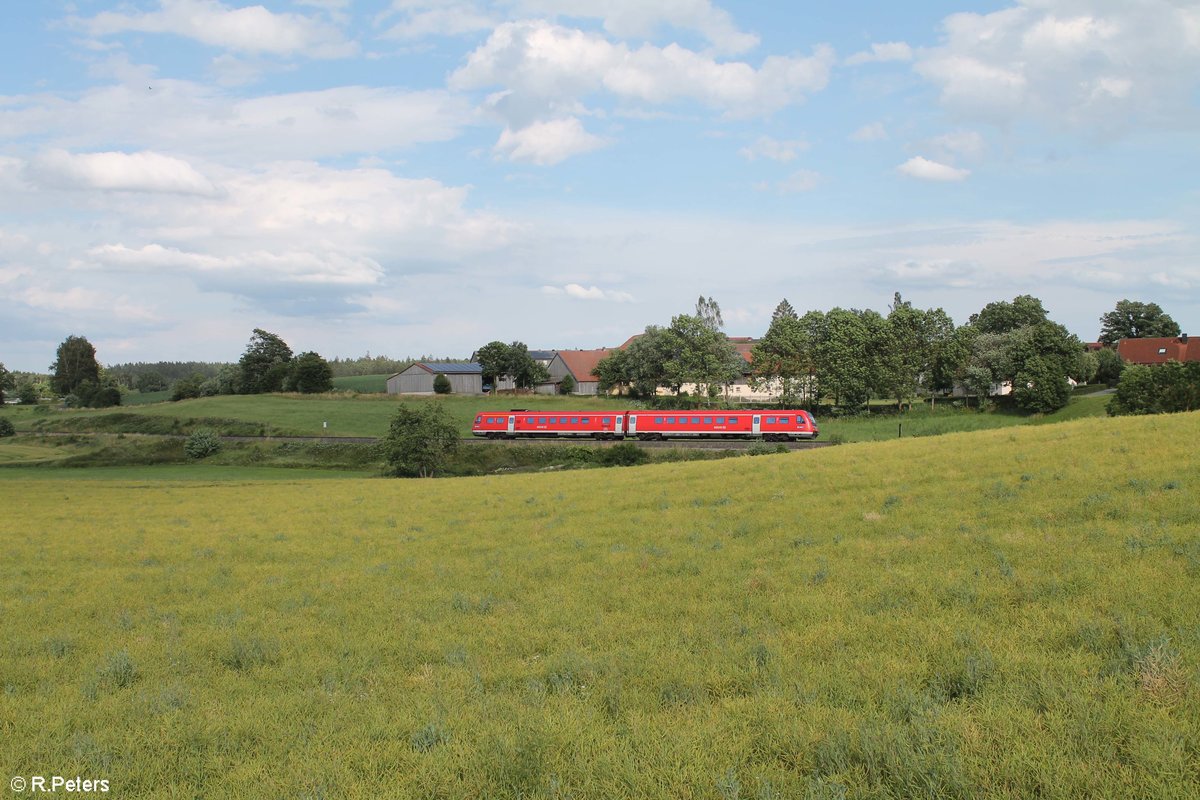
<point>582,363</point>
<point>1159,350</point>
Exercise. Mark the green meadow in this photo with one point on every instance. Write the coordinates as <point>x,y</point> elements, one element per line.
<point>351,415</point>
<point>1001,613</point>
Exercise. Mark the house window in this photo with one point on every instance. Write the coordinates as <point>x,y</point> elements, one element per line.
<point>1162,351</point>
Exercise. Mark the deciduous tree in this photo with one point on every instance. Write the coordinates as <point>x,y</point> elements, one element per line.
<point>1136,320</point>
<point>265,364</point>
<point>420,440</point>
<point>75,363</point>
<point>309,374</point>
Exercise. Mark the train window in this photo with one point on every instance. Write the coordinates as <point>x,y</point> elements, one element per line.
<point>584,420</point>
<point>574,420</point>
<point>490,420</point>
<point>720,420</point>
<point>529,421</point>
<point>783,420</point>
<point>670,420</point>
<point>478,420</point>
<point>770,420</point>
<point>606,421</point>
<point>541,420</point>
<point>658,420</point>
<point>695,420</point>
<point>708,421</point>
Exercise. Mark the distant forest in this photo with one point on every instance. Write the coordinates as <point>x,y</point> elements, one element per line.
<point>127,374</point>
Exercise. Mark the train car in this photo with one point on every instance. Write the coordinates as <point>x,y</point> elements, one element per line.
<point>772,426</point>
<point>523,424</point>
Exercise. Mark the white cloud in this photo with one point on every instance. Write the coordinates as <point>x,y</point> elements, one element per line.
<point>926,170</point>
<point>579,292</point>
<point>1101,67</point>
<point>774,149</point>
<point>547,143</point>
<point>181,116</point>
<point>638,19</point>
<point>291,266</point>
<point>128,172</point>
<point>624,19</point>
<point>937,272</point>
<point>545,67</point>
<point>871,132</point>
<point>887,51</point>
<point>251,29</point>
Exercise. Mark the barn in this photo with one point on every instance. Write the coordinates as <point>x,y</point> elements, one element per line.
<point>466,377</point>
<point>579,364</point>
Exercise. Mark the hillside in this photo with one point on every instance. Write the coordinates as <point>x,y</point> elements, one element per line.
<point>1005,613</point>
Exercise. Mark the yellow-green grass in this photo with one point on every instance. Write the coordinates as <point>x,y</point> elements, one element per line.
<point>23,451</point>
<point>996,614</point>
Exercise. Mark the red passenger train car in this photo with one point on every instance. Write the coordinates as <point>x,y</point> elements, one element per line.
<point>772,426</point>
<point>523,424</point>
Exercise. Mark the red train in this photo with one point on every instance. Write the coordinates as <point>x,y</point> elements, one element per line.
<point>772,426</point>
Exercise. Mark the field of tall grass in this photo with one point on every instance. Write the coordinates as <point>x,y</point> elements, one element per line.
<point>1009,613</point>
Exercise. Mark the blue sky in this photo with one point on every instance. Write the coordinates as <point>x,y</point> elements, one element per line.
<point>424,176</point>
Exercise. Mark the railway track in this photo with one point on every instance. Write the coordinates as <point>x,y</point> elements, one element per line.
<point>692,444</point>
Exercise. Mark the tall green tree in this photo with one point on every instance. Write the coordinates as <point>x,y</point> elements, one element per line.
<point>75,363</point>
<point>1109,365</point>
<point>265,365</point>
<point>703,355</point>
<point>846,355</point>
<point>1136,320</point>
<point>523,369</point>
<point>420,441</point>
<point>493,357</point>
<point>783,358</point>
<point>7,382</point>
<point>309,374</point>
<point>1003,316</point>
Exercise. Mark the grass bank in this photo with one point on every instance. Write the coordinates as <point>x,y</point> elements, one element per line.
<point>1003,613</point>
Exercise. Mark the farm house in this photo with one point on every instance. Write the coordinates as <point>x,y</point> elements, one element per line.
<point>466,377</point>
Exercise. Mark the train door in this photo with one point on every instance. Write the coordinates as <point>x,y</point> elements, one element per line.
<point>757,422</point>
<point>617,424</point>
<point>632,425</point>
<point>512,425</point>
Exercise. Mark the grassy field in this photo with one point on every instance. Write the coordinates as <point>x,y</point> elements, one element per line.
<point>1007,613</point>
<point>362,383</point>
<point>370,414</point>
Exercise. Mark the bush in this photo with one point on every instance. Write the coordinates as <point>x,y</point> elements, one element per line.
<point>441,384</point>
<point>202,443</point>
<point>566,385</point>
<point>6,427</point>
<point>625,454</point>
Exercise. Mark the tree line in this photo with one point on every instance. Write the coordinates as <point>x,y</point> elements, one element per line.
<point>849,356</point>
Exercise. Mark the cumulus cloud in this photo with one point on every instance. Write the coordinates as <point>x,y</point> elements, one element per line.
<point>547,143</point>
<point>774,149</point>
<point>544,67</point>
<point>1073,64</point>
<point>579,292</point>
<point>887,51</point>
<point>252,29</point>
<point>128,172</point>
<point>923,169</point>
